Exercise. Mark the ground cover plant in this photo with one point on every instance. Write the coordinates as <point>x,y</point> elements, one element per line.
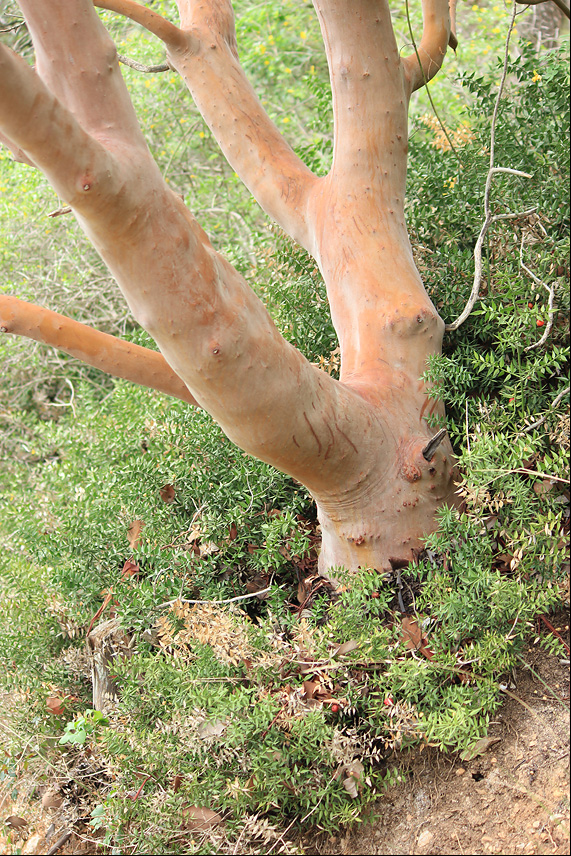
<point>254,696</point>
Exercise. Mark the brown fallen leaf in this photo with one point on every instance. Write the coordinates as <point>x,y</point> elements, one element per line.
<point>233,534</point>
<point>199,817</point>
<point>134,534</point>
<point>212,729</point>
<point>166,493</point>
<point>130,569</point>
<point>259,583</point>
<point>345,648</point>
<point>15,822</point>
<point>303,591</point>
<point>55,705</point>
<point>208,548</point>
<point>177,782</point>
<point>411,633</point>
<point>52,799</point>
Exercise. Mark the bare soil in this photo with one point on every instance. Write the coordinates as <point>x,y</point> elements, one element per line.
<point>512,799</point>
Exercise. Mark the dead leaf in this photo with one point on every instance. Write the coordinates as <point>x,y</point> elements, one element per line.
<point>543,487</point>
<point>345,648</point>
<point>350,786</point>
<point>134,534</point>
<point>311,688</point>
<point>177,782</point>
<point>411,633</point>
<point>208,549</point>
<point>259,583</point>
<point>55,705</point>
<point>355,769</point>
<point>15,822</point>
<point>199,817</point>
<point>479,747</point>
<point>233,534</point>
<point>52,800</point>
<point>166,493</point>
<point>303,591</point>
<point>130,569</point>
<point>212,729</point>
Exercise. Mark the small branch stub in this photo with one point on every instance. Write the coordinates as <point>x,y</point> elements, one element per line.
<point>433,444</point>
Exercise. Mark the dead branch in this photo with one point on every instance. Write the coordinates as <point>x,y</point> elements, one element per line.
<point>550,290</point>
<point>542,419</point>
<point>489,218</point>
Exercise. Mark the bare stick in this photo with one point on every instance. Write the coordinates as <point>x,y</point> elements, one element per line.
<point>488,216</point>
<point>542,419</point>
<point>228,600</point>
<point>550,290</point>
<point>139,66</point>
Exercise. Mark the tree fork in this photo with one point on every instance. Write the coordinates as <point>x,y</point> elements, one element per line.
<point>363,445</point>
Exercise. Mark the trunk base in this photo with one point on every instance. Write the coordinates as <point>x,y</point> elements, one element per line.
<point>382,525</point>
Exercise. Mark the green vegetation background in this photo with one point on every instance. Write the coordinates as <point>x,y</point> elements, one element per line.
<point>85,456</point>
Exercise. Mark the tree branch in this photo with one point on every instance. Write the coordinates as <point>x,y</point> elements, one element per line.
<point>561,4</point>
<point>204,53</point>
<point>100,350</point>
<point>151,21</point>
<point>427,59</point>
<point>145,69</point>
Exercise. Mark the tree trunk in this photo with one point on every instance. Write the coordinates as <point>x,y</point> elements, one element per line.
<point>358,444</point>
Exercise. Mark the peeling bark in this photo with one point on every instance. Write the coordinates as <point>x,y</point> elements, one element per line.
<point>357,443</point>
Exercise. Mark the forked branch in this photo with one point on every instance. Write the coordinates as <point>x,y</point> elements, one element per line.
<point>203,51</point>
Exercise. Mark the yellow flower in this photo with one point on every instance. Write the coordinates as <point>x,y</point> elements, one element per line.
<point>496,30</point>
<point>303,34</point>
<point>535,77</point>
<point>201,135</point>
<point>262,49</point>
<point>285,119</point>
<point>287,70</point>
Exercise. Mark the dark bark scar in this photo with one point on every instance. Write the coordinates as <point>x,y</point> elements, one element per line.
<point>317,440</point>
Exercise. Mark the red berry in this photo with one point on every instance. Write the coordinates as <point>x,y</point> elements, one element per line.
<point>334,708</point>
<point>540,323</point>
<point>374,594</point>
<point>530,305</point>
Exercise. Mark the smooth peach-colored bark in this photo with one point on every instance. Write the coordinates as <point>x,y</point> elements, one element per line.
<point>358,444</point>
<point>100,350</point>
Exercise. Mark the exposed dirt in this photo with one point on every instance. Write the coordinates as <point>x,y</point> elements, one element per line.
<point>512,799</point>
